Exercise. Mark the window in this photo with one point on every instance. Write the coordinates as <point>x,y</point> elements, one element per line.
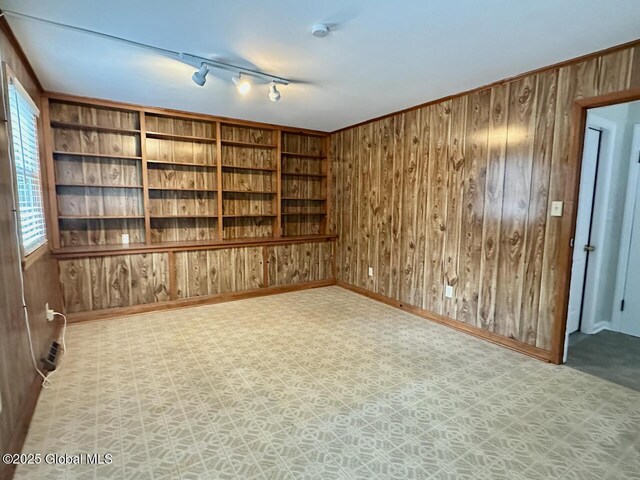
<point>26,159</point>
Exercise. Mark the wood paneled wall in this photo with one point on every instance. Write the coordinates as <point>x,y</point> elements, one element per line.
<point>19,384</point>
<point>96,283</point>
<point>299,263</point>
<point>123,280</point>
<point>458,192</point>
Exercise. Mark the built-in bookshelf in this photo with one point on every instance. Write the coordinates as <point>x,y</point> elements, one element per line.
<point>304,177</point>
<point>150,177</point>
<point>249,171</point>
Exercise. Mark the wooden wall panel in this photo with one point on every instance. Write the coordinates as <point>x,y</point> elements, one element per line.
<point>207,272</point>
<point>299,263</point>
<point>19,383</point>
<point>475,176</point>
<point>95,283</point>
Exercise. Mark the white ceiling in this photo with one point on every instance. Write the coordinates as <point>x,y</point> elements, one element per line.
<point>382,56</point>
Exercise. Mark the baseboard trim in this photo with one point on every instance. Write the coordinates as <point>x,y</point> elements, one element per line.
<point>20,433</point>
<point>194,301</point>
<point>509,343</point>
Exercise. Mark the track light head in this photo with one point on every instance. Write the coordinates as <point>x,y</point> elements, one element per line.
<point>274,94</point>
<point>242,83</point>
<point>200,77</point>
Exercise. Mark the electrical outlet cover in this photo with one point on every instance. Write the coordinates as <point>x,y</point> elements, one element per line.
<point>448,291</point>
<point>371,271</point>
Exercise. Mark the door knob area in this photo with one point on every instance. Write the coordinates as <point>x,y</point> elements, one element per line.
<point>589,248</point>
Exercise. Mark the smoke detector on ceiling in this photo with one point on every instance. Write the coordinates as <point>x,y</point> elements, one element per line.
<point>320,30</point>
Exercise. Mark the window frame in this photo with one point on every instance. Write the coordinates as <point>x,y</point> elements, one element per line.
<point>42,246</point>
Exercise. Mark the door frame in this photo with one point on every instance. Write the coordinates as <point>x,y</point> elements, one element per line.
<point>578,121</point>
<point>627,225</point>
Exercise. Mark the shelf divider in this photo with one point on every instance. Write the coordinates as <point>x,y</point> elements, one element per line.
<point>219,179</point>
<point>277,230</point>
<point>145,177</point>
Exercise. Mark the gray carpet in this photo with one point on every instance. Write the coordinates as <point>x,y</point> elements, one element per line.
<point>609,355</point>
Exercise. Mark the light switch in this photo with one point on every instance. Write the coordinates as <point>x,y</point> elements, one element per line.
<point>556,208</point>
<point>125,238</point>
<point>371,271</point>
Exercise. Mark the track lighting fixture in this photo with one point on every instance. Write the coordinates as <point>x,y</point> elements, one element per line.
<point>274,94</point>
<point>242,83</point>
<point>242,77</point>
<point>200,76</point>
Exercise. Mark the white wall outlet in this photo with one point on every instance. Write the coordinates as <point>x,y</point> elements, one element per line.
<point>50,313</point>
<point>448,291</point>
<point>556,208</point>
<point>371,271</point>
<point>125,238</point>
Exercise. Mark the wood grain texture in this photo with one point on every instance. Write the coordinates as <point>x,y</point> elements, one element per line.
<point>174,171</point>
<point>477,173</point>
<point>116,281</point>
<point>209,272</point>
<point>19,383</point>
<point>304,184</point>
<point>299,263</point>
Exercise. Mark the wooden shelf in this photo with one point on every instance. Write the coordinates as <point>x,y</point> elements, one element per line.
<point>242,157</point>
<point>233,143</point>
<point>249,215</point>
<point>254,192</point>
<point>99,185</point>
<point>183,138</point>
<point>115,249</point>
<point>99,217</point>
<point>98,155</point>
<point>240,167</point>
<point>97,128</point>
<point>305,155</point>
<point>188,164</point>
<point>182,216</point>
<point>307,199</point>
<point>294,174</point>
<point>304,213</point>
<point>168,189</point>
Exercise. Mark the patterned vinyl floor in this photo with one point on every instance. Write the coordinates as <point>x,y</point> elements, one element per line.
<point>322,384</point>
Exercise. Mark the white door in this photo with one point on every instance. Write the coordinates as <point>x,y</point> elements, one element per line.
<point>630,310</point>
<point>583,226</point>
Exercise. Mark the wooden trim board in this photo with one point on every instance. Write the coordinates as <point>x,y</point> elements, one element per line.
<point>178,113</point>
<point>194,301</point>
<point>462,327</point>
<point>106,250</point>
<point>572,192</point>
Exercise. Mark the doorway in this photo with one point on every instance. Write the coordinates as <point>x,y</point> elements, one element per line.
<point>603,316</point>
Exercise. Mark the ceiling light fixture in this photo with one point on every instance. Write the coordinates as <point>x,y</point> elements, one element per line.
<point>242,83</point>
<point>242,79</point>
<point>274,94</point>
<point>200,76</point>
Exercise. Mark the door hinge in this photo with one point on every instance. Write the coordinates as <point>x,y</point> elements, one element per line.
<point>571,243</point>
<point>622,306</point>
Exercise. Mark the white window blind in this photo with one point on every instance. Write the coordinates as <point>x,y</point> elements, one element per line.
<point>24,133</point>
